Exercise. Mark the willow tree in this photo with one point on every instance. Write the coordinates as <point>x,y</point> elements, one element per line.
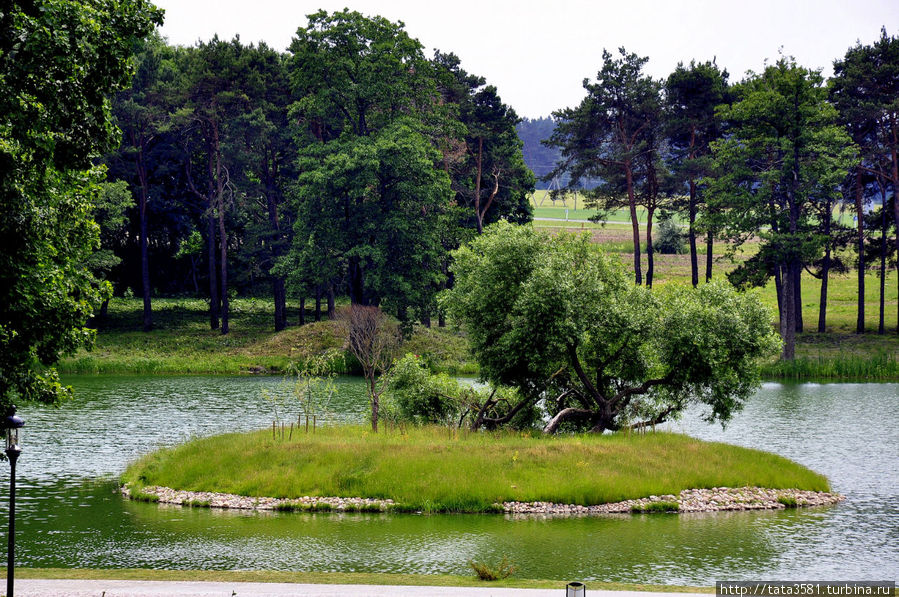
<point>556,319</point>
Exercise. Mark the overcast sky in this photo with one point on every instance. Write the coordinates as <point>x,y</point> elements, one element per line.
<point>537,53</point>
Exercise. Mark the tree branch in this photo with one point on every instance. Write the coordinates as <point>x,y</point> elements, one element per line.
<point>588,385</point>
<point>567,413</point>
<point>642,388</point>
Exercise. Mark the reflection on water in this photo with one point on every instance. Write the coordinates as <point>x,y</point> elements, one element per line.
<point>72,517</point>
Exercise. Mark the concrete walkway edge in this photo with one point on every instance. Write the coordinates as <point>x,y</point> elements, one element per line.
<point>135,588</point>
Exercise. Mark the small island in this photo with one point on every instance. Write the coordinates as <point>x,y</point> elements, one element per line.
<point>432,469</point>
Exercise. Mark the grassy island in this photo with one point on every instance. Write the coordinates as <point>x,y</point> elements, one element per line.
<point>436,470</point>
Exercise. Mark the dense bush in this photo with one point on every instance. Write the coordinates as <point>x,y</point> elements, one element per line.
<point>670,240</point>
<point>415,395</point>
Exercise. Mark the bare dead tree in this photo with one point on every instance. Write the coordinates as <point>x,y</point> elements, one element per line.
<point>372,337</point>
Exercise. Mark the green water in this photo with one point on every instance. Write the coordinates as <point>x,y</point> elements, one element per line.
<point>71,516</point>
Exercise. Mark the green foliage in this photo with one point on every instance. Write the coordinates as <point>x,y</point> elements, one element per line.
<point>58,63</point>
<point>788,501</point>
<point>656,507</point>
<point>504,569</point>
<point>670,240</point>
<point>554,317</point>
<point>417,396</point>
<point>489,176</point>
<point>777,173</point>
<point>369,197</point>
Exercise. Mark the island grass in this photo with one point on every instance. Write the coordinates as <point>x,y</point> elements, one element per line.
<point>435,470</point>
<point>336,578</point>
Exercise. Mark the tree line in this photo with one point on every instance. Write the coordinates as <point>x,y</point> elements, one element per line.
<point>348,165</point>
<point>766,160</point>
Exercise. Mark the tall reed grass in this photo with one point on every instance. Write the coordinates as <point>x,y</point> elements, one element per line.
<point>880,366</point>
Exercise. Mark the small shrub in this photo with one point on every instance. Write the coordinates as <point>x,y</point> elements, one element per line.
<point>370,508</point>
<point>656,507</point>
<point>140,496</point>
<point>788,501</point>
<point>504,569</point>
<point>292,507</point>
<point>321,507</point>
<point>670,240</point>
<point>197,503</point>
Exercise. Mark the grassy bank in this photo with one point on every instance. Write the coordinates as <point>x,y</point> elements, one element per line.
<point>181,342</point>
<point>432,469</point>
<point>337,578</point>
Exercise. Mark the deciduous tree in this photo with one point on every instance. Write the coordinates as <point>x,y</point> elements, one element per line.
<point>556,319</point>
<point>373,339</point>
<point>59,63</point>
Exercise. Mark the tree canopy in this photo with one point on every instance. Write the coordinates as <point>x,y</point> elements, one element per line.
<point>556,319</point>
<point>59,62</point>
<point>784,156</point>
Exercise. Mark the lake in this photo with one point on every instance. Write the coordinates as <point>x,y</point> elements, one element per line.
<point>69,514</point>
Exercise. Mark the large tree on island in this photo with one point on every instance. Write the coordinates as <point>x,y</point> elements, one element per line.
<point>59,63</point>
<point>605,136</point>
<point>783,156</point>
<point>557,319</point>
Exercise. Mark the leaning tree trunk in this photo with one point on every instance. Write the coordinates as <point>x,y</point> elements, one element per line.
<point>709,246</point>
<point>303,311</point>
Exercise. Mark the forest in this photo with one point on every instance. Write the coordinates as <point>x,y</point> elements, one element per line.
<point>351,165</point>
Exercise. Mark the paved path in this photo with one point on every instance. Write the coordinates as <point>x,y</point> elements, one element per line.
<point>133,588</point>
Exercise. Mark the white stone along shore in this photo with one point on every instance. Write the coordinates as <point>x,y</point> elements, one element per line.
<point>689,500</point>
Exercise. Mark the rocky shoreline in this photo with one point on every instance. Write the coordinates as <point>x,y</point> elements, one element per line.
<point>716,499</point>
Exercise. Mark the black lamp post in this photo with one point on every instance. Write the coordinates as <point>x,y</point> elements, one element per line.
<point>13,429</point>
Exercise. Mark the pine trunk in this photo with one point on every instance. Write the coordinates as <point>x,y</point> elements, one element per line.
<point>860,213</point>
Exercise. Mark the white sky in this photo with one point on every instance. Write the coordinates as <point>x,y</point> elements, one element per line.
<point>537,52</point>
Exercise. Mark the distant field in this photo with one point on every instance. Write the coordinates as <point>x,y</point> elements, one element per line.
<point>571,207</point>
